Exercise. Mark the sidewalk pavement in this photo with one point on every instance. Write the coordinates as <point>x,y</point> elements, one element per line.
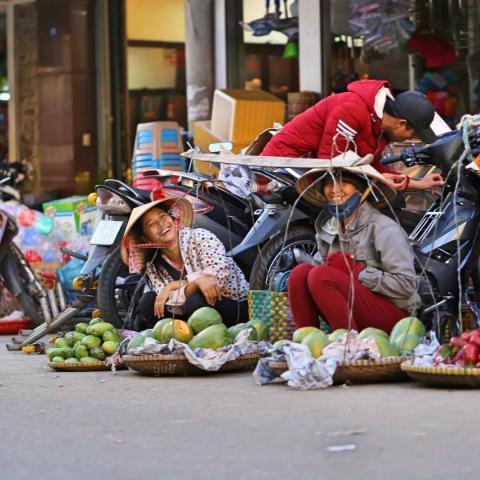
<point>98,425</point>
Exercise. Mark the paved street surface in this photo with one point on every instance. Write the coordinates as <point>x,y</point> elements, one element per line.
<point>98,425</point>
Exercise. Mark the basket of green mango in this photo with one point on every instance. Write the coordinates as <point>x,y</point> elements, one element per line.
<point>86,348</point>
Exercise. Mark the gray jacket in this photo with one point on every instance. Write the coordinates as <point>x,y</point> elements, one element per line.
<point>382,246</point>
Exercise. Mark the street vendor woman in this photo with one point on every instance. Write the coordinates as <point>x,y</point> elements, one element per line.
<point>187,268</point>
<point>367,272</point>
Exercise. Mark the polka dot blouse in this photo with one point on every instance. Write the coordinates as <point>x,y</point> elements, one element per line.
<point>203,252</point>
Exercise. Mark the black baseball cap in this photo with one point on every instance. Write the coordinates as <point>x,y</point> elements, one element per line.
<point>417,110</point>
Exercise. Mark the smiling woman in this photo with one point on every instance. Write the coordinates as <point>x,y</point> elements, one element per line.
<point>187,267</point>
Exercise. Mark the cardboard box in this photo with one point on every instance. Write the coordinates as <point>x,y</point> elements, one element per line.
<point>240,115</point>
<point>72,215</point>
<point>203,137</point>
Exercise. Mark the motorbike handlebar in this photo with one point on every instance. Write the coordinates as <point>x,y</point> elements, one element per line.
<point>392,159</point>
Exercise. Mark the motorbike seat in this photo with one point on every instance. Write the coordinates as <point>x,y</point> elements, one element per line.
<point>145,194</point>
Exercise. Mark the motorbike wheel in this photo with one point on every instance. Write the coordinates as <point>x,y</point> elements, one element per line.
<point>275,260</point>
<point>113,300</point>
<point>29,305</point>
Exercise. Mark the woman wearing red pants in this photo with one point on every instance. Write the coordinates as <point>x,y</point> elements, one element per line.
<point>366,277</point>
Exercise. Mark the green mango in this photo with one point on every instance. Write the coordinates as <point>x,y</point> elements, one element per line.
<point>60,343</point>
<point>67,352</point>
<point>94,321</point>
<point>214,336</point>
<point>91,341</point>
<point>54,352</point>
<point>110,336</point>
<point>100,328</point>
<point>202,318</point>
<point>70,339</point>
<point>98,353</point>
<point>78,336</point>
<point>81,327</point>
<point>135,342</point>
<point>300,333</point>
<point>408,326</point>
<point>57,359</point>
<point>372,332</point>
<point>89,360</point>
<point>336,334</point>
<point>109,347</point>
<point>316,342</point>
<point>406,343</point>
<point>262,328</point>
<point>157,329</point>
<point>81,351</point>
<point>71,360</point>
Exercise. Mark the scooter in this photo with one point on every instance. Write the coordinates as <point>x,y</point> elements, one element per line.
<point>446,240</point>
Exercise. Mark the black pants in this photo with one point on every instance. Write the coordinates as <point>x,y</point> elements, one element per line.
<point>232,311</point>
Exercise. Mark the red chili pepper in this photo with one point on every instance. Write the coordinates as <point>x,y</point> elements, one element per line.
<point>470,353</point>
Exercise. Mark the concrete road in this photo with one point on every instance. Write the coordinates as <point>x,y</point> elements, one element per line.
<point>98,425</point>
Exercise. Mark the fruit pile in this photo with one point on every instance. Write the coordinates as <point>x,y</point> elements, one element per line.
<point>204,329</point>
<point>405,337</point>
<point>90,342</point>
<point>463,351</point>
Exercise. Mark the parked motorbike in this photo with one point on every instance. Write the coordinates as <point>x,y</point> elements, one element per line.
<point>446,240</point>
<point>16,272</point>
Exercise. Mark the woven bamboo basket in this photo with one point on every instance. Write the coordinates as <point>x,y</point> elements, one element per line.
<point>360,371</point>
<point>79,367</point>
<point>160,365</point>
<point>443,377</point>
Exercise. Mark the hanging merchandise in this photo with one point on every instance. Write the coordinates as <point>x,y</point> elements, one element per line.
<point>288,25</point>
<point>383,24</point>
<point>435,50</point>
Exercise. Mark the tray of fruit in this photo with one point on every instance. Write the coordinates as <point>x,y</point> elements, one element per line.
<point>456,364</point>
<point>85,348</point>
<point>204,330</point>
<point>393,349</point>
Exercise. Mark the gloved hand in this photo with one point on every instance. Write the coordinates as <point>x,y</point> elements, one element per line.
<point>345,263</point>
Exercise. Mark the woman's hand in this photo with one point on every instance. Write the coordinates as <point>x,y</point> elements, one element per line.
<point>210,289</point>
<point>159,305</point>
<point>429,181</point>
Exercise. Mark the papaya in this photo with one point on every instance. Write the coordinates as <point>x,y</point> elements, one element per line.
<point>202,318</point>
<point>157,329</point>
<point>78,336</point>
<point>372,332</point>
<point>336,334</point>
<point>214,336</point>
<point>262,328</point>
<point>385,348</point>
<point>147,333</point>
<point>57,359</point>
<point>316,341</point>
<point>177,329</point>
<point>95,320</point>
<point>81,327</point>
<point>67,352</point>
<point>91,341</point>
<point>135,342</point>
<point>300,333</point>
<point>54,352</point>
<point>236,329</point>
<point>405,343</point>
<point>69,339</point>
<point>408,326</point>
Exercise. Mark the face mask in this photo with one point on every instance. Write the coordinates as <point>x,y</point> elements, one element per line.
<point>343,211</point>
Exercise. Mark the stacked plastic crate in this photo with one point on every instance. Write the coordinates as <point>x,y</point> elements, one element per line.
<point>157,145</point>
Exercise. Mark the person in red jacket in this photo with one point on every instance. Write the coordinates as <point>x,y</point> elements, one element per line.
<point>365,119</point>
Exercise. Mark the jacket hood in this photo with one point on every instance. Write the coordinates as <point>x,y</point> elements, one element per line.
<point>367,90</point>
